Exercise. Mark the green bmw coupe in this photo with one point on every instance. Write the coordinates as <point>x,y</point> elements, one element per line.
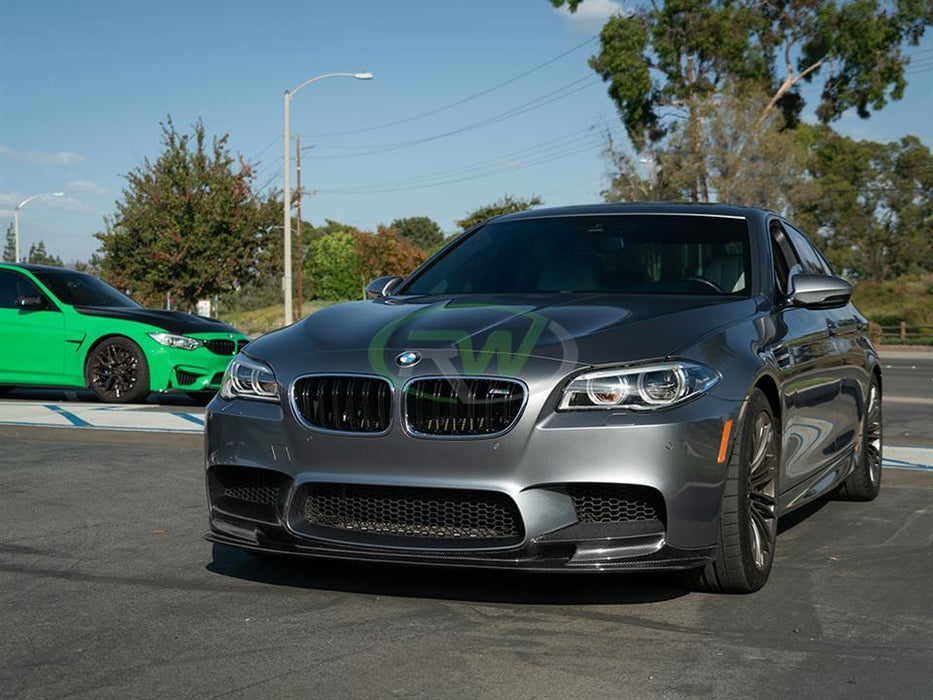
<point>65,328</point>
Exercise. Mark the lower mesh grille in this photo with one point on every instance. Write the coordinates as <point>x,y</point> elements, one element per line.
<point>616,503</point>
<point>185,378</point>
<point>246,491</point>
<point>413,512</point>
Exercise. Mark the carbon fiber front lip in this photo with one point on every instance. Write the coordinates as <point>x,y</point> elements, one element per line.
<point>534,558</point>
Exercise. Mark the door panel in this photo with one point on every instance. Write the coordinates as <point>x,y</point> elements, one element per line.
<point>32,341</point>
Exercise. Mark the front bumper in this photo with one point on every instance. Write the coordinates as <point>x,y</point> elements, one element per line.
<point>672,452</point>
<point>174,369</point>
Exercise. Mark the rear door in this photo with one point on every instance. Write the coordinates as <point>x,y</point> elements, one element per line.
<point>808,357</point>
<point>32,341</point>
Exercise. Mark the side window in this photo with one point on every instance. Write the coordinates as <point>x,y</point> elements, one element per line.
<point>785,260</point>
<point>812,260</point>
<point>13,286</point>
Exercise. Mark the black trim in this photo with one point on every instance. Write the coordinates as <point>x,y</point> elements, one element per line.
<point>171,321</point>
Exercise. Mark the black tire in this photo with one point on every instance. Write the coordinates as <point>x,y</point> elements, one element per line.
<point>864,483</point>
<point>748,518</point>
<point>117,371</point>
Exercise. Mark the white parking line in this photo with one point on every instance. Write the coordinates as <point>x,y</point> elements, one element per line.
<point>106,417</point>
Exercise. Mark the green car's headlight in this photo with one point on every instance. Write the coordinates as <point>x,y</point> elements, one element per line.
<point>641,388</point>
<point>181,342</point>
<point>246,378</point>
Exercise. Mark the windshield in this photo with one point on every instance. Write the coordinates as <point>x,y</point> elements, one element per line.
<point>78,289</point>
<point>641,254</point>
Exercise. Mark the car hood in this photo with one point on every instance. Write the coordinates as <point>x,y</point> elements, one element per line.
<point>171,321</point>
<point>579,329</point>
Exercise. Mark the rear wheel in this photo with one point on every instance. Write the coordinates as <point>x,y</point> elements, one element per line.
<point>748,521</point>
<point>117,371</point>
<point>864,482</point>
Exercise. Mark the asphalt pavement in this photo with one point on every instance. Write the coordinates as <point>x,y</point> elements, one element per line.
<point>108,590</point>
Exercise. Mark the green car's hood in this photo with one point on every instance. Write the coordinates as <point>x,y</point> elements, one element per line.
<point>171,321</point>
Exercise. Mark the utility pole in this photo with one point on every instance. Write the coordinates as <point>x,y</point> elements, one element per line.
<point>300,193</point>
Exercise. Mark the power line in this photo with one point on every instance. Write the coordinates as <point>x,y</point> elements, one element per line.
<point>561,154</point>
<point>541,101</point>
<point>470,98</point>
<point>536,149</point>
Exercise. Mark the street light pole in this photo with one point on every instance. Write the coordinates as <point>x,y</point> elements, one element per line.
<point>287,195</point>
<point>16,217</point>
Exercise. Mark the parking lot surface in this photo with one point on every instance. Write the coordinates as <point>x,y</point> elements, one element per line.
<point>108,590</point>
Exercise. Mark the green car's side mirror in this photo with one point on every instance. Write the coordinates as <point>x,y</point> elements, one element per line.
<point>30,303</point>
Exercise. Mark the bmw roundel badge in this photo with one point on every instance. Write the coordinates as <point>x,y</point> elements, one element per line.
<point>409,358</point>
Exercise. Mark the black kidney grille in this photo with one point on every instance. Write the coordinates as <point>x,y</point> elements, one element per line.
<point>221,346</point>
<point>413,512</point>
<point>345,403</point>
<point>615,503</point>
<point>462,406</point>
<point>240,344</point>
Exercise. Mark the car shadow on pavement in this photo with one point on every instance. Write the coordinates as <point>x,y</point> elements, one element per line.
<point>470,585</point>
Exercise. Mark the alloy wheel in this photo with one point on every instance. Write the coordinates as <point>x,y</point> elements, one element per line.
<point>873,435</point>
<point>762,505</point>
<point>116,371</point>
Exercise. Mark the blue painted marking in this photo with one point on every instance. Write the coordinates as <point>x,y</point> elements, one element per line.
<point>188,417</point>
<point>68,415</point>
<point>900,464</point>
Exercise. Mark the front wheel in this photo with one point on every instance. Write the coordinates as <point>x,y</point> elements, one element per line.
<point>117,371</point>
<point>748,520</point>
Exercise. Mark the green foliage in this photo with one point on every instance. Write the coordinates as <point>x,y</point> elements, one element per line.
<point>257,321</point>
<point>333,266</point>
<point>9,247</point>
<point>908,299</point>
<point>875,209</point>
<point>506,205</point>
<point>188,223</point>
<point>39,256</point>
<point>420,231</point>
<point>662,57</point>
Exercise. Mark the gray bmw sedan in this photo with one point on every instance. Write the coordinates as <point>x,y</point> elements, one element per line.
<point>594,388</point>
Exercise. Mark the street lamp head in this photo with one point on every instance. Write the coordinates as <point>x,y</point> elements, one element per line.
<point>363,76</point>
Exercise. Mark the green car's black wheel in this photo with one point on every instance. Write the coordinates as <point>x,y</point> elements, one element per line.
<point>864,482</point>
<point>748,521</point>
<point>117,371</point>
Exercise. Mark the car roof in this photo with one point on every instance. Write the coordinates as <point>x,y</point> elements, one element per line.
<point>637,208</point>
<point>30,267</point>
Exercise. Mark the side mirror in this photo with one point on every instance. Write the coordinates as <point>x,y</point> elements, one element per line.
<point>30,303</point>
<point>382,286</point>
<point>819,291</point>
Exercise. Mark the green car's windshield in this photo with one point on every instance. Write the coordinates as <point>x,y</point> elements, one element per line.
<point>633,253</point>
<point>78,289</point>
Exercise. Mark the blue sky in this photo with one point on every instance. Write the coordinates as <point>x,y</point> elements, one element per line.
<point>84,86</point>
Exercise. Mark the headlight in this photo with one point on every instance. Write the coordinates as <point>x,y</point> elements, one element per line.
<point>639,388</point>
<point>249,379</point>
<point>181,342</point>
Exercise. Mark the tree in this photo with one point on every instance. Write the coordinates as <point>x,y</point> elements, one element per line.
<point>188,224</point>
<point>875,209</point>
<point>386,253</point>
<point>9,248</point>
<point>506,205</point>
<point>39,256</point>
<point>763,167</point>
<point>662,60</point>
<point>420,231</point>
<point>333,266</point>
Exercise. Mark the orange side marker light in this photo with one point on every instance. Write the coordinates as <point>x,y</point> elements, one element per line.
<point>726,429</point>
